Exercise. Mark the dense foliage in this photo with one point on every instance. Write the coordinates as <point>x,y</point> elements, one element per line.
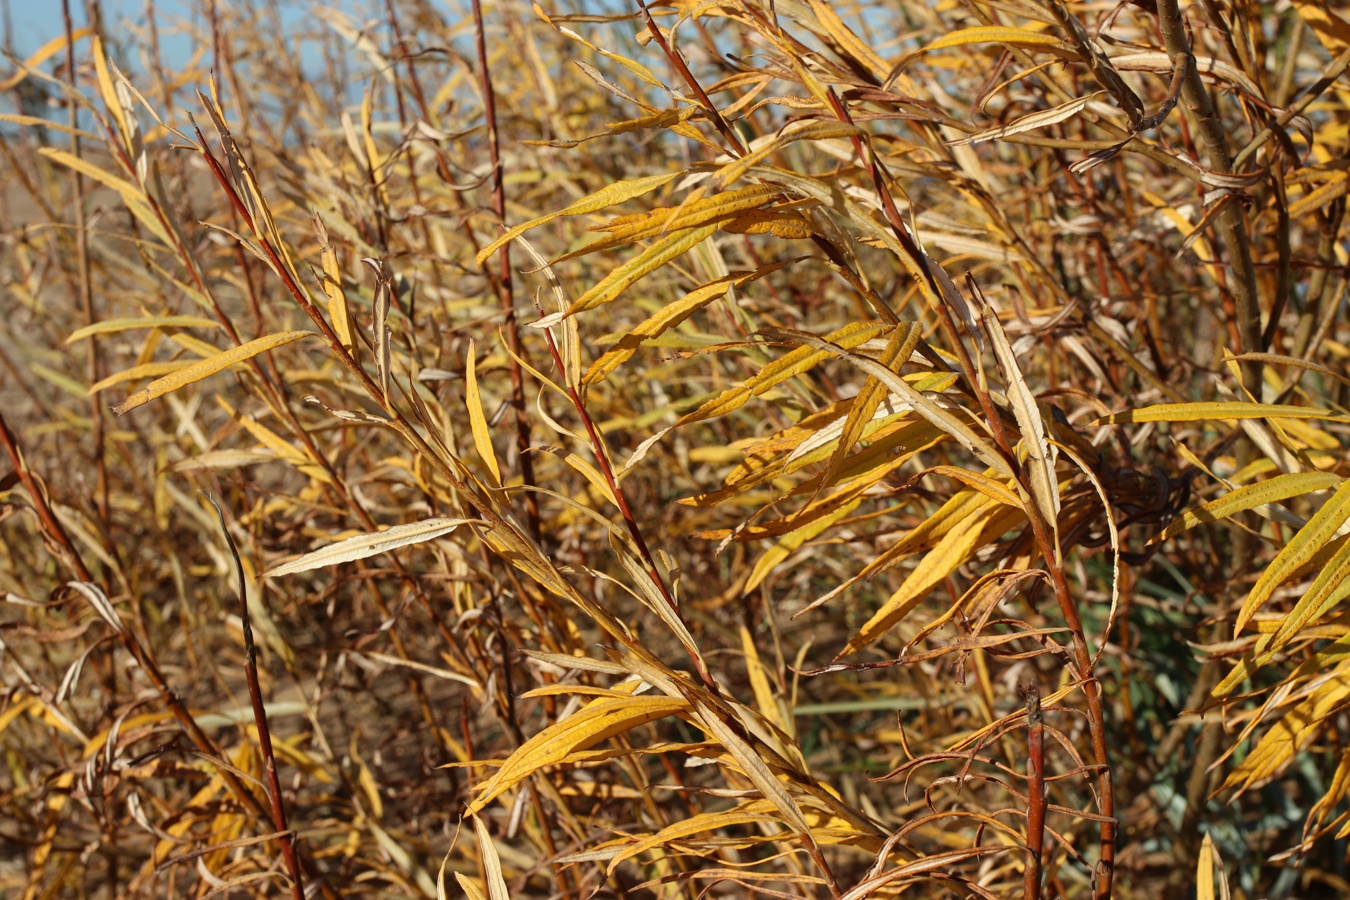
<point>729,448</point>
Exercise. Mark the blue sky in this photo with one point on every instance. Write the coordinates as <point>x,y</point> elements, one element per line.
<point>37,21</point>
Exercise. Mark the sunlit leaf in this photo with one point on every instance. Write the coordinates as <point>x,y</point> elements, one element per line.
<point>363,545</point>
<point>206,368</point>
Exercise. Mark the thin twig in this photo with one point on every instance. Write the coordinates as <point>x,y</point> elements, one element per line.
<point>1232,225</point>
<point>284,834</point>
<point>526,461</point>
<point>1031,880</point>
<point>85,286</point>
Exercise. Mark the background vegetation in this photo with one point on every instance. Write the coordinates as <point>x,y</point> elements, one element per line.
<point>897,448</point>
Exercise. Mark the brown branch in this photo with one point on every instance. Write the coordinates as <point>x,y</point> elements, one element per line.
<point>507,296</point>
<point>1232,225</point>
<point>1031,878</point>
<point>85,286</point>
<point>1100,66</point>
<point>1334,70</point>
<point>621,499</point>
<point>284,834</point>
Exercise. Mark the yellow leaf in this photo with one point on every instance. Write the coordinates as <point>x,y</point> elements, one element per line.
<point>1318,198</point>
<point>206,368</point>
<point>592,475</point>
<point>809,131</point>
<point>108,326</point>
<point>1289,735</point>
<point>948,421</point>
<point>768,702</point>
<point>1281,487</point>
<point>482,438</point>
<point>588,726</point>
<point>660,119</point>
<point>44,53</point>
<point>668,317</point>
<point>791,364</point>
<point>693,212</point>
<point>46,123</point>
<point>604,198</point>
<point>1310,538</point>
<point>1327,589</point>
<point>788,226</point>
<point>997,34</point>
<point>670,247</point>
<point>109,92</point>
<point>284,450</point>
<point>790,543</point>
<point>88,169</point>
<point>950,552</point>
<point>991,488</point>
<point>1204,871</point>
<point>898,350</point>
<point>364,545</point>
<point>144,370</point>
<point>1330,26</point>
<point>693,825</point>
<point>847,40</point>
<point>338,312</point>
<point>466,884</point>
<point>1195,412</point>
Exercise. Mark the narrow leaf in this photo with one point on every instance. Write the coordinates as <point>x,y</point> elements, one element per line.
<point>608,196</point>
<point>1030,122</point>
<point>482,438</point>
<point>997,34</point>
<point>1195,412</point>
<point>1250,496</point>
<point>492,863</point>
<point>364,545</point>
<point>206,368</point>
<point>108,326</point>
<point>588,726</point>
<point>1310,538</point>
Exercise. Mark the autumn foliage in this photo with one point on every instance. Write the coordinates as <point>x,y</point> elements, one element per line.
<point>738,448</point>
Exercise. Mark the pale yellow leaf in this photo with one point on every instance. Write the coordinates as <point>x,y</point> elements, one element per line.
<point>364,545</point>
<point>206,368</point>
<point>1030,122</point>
<point>492,863</point>
<point>108,326</point>
<point>44,53</point>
